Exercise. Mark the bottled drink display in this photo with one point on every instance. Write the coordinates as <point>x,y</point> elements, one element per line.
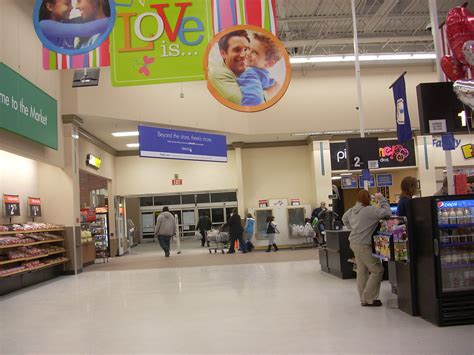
<point>456,240</point>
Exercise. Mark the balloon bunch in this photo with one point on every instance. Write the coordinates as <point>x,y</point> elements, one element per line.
<point>460,34</point>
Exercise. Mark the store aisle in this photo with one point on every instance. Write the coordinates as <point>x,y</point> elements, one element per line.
<point>151,256</point>
<point>255,308</point>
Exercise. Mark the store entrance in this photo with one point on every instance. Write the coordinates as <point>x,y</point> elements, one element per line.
<point>95,218</point>
<point>143,211</point>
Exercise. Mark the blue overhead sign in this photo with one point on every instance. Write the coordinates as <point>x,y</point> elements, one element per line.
<point>371,181</point>
<point>184,145</point>
<point>384,180</point>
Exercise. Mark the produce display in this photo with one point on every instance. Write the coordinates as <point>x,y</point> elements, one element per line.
<point>30,226</point>
<point>27,247</point>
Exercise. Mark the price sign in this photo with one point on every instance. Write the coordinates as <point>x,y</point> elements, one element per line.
<point>34,207</point>
<point>11,205</point>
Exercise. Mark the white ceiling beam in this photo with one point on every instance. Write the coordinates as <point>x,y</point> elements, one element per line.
<point>349,40</point>
<point>348,17</point>
<point>380,15</point>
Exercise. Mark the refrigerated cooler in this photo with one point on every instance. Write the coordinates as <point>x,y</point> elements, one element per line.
<point>443,233</point>
<point>100,231</point>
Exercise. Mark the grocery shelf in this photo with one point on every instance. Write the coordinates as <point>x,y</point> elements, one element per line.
<point>458,266</point>
<point>34,243</point>
<point>452,226</point>
<point>10,261</point>
<point>31,231</point>
<point>457,244</point>
<point>384,258</point>
<point>36,268</point>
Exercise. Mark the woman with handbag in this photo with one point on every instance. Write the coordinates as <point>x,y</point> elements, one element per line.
<point>271,231</point>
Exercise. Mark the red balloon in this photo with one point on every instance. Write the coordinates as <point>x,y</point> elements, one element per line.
<point>452,68</point>
<point>459,29</point>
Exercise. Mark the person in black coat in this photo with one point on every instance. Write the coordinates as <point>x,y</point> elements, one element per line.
<point>204,225</point>
<point>235,231</point>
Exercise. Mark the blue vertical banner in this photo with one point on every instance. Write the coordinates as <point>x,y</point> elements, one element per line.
<point>401,110</point>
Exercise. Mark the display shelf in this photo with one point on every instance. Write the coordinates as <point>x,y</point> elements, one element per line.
<point>456,244</point>
<point>65,260</point>
<point>31,231</point>
<point>10,261</point>
<point>34,243</point>
<point>458,289</point>
<point>386,234</point>
<point>384,258</point>
<point>454,226</point>
<point>458,266</point>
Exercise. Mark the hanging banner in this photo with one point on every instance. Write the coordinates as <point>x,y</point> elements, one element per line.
<point>247,68</point>
<point>402,118</point>
<point>99,57</point>
<point>155,42</point>
<point>27,110</point>
<point>228,13</point>
<point>182,145</point>
<point>73,27</point>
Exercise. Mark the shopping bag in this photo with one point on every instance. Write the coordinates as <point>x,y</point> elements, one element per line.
<point>198,235</point>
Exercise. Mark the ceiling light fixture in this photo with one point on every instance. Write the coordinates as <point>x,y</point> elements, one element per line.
<point>133,145</point>
<point>362,58</point>
<point>125,134</point>
<point>344,132</point>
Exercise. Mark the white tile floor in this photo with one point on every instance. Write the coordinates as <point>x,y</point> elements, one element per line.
<point>269,308</point>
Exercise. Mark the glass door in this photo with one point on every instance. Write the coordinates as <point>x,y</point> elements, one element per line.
<point>456,244</point>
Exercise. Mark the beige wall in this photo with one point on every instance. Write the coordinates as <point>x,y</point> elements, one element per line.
<point>26,177</point>
<point>107,167</point>
<point>138,176</point>
<point>322,99</point>
<point>21,50</point>
<point>277,173</point>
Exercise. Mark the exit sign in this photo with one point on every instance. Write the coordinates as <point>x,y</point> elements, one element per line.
<point>177,182</point>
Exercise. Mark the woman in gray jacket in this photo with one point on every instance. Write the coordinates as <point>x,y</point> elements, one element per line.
<point>362,220</point>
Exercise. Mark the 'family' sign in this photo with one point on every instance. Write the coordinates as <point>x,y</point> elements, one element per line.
<point>155,42</point>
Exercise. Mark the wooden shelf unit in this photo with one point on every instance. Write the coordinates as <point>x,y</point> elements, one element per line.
<point>64,260</point>
<point>16,280</point>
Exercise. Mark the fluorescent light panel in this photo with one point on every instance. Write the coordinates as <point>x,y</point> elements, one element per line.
<point>362,58</point>
<point>125,134</point>
<point>341,132</point>
<point>133,145</point>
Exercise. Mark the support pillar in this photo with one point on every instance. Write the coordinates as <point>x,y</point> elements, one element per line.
<point>240,178</point>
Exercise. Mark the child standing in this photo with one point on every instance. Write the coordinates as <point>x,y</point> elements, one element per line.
<point>263,54</point>
<point>271,231</point>
<point>248,231</point>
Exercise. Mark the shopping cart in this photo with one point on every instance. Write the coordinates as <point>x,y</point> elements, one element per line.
<point>217,240</point>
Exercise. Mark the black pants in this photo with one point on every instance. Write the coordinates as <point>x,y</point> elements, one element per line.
<point>203,239</point>
<point>165,241</point>
<point>233,238</point>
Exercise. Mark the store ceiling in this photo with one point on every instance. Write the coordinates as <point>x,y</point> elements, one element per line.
<point>102,128</point>
<point>321,27</point>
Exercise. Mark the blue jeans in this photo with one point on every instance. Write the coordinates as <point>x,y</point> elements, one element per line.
<point>165,241</point>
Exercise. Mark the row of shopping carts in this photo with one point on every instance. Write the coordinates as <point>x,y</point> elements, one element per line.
<point>217,240</point>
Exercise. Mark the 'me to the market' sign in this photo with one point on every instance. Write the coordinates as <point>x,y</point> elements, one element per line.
<point>27,110</point>
<point>157,41</point>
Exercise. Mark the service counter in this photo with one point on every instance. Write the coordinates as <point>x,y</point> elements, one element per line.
<point>334,257</point>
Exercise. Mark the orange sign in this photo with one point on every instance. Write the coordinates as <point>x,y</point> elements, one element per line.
<point>11,199</point>
<point>33,201</point>
<point>177,182</point>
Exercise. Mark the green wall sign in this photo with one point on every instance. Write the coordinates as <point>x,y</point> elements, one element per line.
<point>27,110</point>
<point>155,42</point>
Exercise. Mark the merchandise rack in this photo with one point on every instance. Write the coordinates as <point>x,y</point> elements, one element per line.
<point>20,278</point>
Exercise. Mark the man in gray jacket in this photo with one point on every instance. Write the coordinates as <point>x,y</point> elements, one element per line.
<point>362,220</point>
<point>165,229</point>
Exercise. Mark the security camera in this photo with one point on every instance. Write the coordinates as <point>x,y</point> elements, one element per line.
<point>428,26</point>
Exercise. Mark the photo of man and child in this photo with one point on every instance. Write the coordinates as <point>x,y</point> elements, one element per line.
<point>247,68</point>
<point>73,26</point>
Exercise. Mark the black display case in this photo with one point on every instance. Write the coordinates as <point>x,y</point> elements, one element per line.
<point>443,230</point>
<point>334,257</point>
